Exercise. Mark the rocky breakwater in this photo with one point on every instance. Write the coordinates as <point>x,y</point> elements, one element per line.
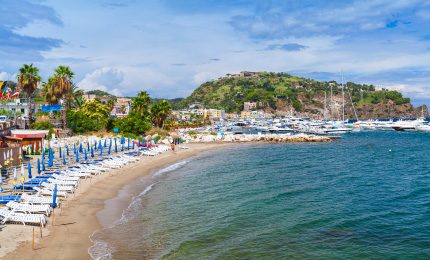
<point>275,138</point>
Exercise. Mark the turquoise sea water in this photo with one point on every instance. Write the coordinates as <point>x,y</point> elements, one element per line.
<point>365,196</point>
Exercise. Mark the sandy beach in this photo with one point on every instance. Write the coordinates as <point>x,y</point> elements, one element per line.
<point>75,222</point>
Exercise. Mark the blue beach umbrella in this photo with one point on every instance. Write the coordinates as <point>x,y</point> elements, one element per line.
<point>88,146</point>
<point>92,152</point>
<point>138,142</point>
<point>133,146</point>
<point>101,149</point>
<point>95,145</point>
<point>122,147</point>
<point>67,150</point>
<point>29,170</point>
<point>74,147</point>
<point>108,150</point>
<point>116,147</point>
<point>38,166</point>
<point>77,156</point>
<point>80,147</point>
<point>128,143</point>
<point>104,143</point>
<point>43,164</point>
<point>85,155</point>
<point>64,160</point>
<point>60,153</point>
<point>43,153</point>
<point>54,197</point>
<point>51,160</point>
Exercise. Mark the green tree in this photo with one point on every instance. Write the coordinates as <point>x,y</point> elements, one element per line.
<point>111,102</point>
<point>140,104</point>
<point>137,122</point>
<point>75,97</point>
<point>160,112</point>
<point>92,116</point>
<point>64,89</point>
<point>28,79</point>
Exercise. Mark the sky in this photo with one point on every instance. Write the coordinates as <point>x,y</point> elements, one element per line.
<point>169,47</point>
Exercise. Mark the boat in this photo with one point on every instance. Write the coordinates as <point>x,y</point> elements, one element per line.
<point>337,130</point>
<point>276,129</point>
<point>408,125</point>
<point>423,128</point>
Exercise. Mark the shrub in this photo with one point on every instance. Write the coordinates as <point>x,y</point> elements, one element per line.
<point>44,125</point>
<point>297,105</point>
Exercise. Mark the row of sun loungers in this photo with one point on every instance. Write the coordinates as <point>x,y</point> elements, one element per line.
<point>34,209</point>
<point>154,151</point>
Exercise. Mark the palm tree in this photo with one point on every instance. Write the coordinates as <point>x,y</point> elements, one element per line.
<point>160,112</point>
<point>111,102</point>
<point>64,89</point>
<point>28,79</point>
<point>140,104</point>
<point>48,91</point>
<point>75,97</point>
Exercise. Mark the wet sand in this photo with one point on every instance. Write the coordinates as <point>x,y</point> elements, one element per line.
<point>69,237</point>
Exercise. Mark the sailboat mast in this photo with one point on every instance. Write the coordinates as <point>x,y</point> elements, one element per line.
<point>343,101</point>
<point>331,102</point>
<point>325,106</point>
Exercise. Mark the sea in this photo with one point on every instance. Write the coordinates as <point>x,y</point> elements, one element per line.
<point>366,195</point>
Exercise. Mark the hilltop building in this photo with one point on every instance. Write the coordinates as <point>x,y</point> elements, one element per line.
<point>243,74</point>
<point>215,114</point>
<point>255,114</point>
<point>249,106</point>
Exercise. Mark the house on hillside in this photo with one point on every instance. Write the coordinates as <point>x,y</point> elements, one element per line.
<point>122,107</point>
<point>248,106</point>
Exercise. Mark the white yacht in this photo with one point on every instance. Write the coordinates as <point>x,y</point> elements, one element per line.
<point>408,125</point>
<point>423,128</point>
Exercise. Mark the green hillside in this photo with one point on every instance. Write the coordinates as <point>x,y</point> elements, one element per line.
<point>281,91</point>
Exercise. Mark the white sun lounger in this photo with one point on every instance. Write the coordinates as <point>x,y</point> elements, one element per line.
<point>28,208</point>
<point>8,216</point>
<point>38,200</point>
<point>51,186</point>
<point>49,192</point>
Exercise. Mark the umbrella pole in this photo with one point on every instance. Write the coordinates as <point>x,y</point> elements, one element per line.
<point>32,240</point>
<point>53,215</point>
<point>40,228</point>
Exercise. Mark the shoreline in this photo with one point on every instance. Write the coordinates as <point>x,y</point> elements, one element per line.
<point>85,213</point>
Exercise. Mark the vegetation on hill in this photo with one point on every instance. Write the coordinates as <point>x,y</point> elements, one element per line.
<point>284,92</point>
<point>98,93</point>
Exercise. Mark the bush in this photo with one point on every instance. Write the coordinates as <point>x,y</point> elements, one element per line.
<point>297,105</point>
<point>93,116</point>
<point>132,124</point>
<point>44,125</point>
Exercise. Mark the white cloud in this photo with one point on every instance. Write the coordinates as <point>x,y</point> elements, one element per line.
<point>202,77</point>
<point>7,76</point>
<point>106,79</point>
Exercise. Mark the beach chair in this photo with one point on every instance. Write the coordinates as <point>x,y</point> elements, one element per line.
<point>28,208</point>
<point>8,216</point>
<point>49,192</point>
<point>38,200</point>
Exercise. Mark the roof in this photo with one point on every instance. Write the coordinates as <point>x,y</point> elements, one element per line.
<point>29,133</point>
<point>13,138</point>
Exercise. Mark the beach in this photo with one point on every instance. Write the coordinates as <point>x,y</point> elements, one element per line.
<point>76,221</point>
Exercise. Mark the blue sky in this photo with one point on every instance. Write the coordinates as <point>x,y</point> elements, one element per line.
<point>169,47</point>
